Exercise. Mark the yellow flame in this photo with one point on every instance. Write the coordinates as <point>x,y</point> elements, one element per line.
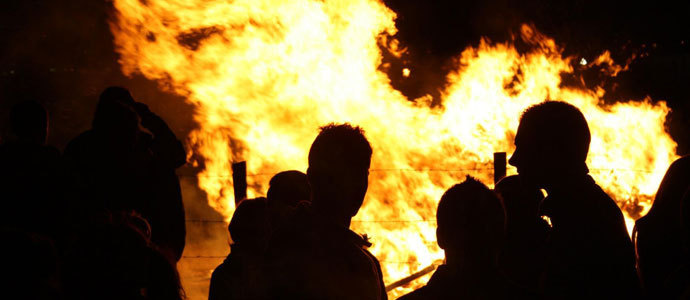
<point>265,74</point>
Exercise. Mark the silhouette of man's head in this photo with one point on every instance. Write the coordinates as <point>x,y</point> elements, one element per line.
<point>552,140</point>
<point>249,226</point>
<point>115,118</point>
<point>29,122</point>
<point>470,220</point>
<point>521,202</point>
<point>338,170</point>
<point>286,190</point>
<point>116,94</point>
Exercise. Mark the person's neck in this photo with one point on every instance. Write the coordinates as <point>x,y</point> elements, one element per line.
<point>328,214</point>
<point>471,264</point>
<point>564,181</point>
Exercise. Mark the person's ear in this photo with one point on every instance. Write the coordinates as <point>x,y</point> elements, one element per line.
<point>310,175</point>
<point>440,240</point>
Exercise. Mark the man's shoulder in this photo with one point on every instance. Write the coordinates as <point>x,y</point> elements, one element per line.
<point>507,289</point>
<point>682,163</point>
<point>589,197</point>
<point>604,202</point>
<point>80,141</point>
<point>224,269</point>
<point>296,233</point>
<point>418,294</point>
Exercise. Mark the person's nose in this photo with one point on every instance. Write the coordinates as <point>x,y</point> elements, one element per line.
<point>514,159</point>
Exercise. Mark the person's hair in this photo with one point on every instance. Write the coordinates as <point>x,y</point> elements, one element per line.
<point>28,119</point>
<point>249,224</point>
<point>114,107</point>
<point>288,188</point>
<point>340,146</point>
<point>472,216</point>
<point>560,125</point>
<point>116,94</point>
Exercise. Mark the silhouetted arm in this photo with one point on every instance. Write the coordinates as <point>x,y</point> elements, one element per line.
<point>168,219</point>
<point>165,145</point>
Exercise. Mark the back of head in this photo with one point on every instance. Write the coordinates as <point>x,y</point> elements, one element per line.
<point>671,190</point>
<point>340,147</point>
<point>115,118</point>
<point>339,162</point>
<point>112,107</point>
<point>116,94</point>
<point>29,122</point>
<point>288,188</point>
<point>249,227</point>
<point>470,219</point>
<point>558,127</point>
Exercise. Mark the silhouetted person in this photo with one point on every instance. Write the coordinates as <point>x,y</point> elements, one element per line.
<point>522,258</point>
<point>676,283</point>
<point>131,170</point>
<point>316,256</point>
<point>113,259</point>
<point>659,234</point>
<point>29,265</point>
<point>589,252</point>
<point>238,277</point>
<point>286,191</point>
<point>30,173</point>
<point>470,231</point>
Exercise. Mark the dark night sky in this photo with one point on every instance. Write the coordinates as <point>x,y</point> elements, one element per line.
<point>61,52</point>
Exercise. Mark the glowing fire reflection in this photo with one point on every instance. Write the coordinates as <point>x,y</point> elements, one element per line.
<point>265,74</point>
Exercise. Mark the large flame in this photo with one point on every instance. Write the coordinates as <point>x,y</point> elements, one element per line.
<point>265,74</point>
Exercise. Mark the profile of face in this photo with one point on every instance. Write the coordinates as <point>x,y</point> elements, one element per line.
<point>532,157</point>
<point>552,140</point>
<point>355,183</point>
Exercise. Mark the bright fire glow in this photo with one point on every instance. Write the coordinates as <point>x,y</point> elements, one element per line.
<point>406,72</point>
<point>265,74</point>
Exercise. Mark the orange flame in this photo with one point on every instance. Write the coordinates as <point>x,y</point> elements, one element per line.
<point>265,74</point>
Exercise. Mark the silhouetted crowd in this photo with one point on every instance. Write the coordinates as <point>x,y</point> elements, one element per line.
<point>105,220</point>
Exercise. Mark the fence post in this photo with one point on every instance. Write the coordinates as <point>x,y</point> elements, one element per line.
<point>499,166</point>
<point>239,181</point>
